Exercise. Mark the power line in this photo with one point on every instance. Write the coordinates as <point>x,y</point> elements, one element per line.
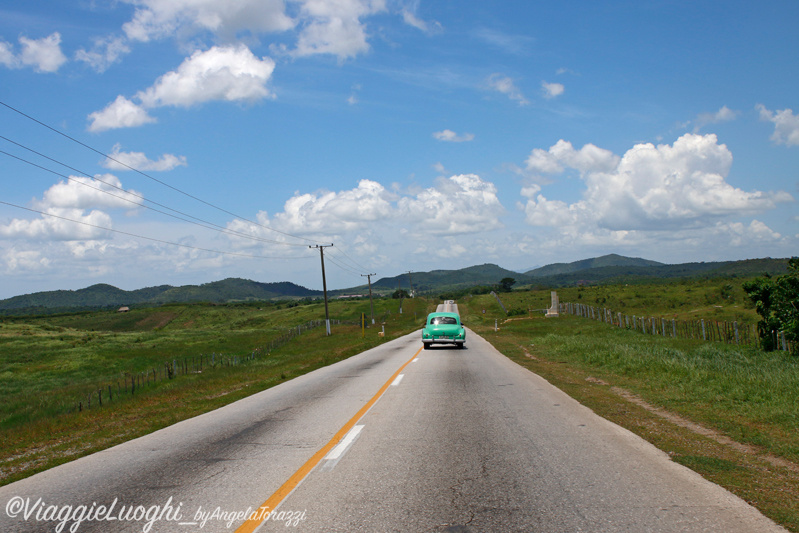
<point>202,223</point>
<point>209,204</point>
<point>346,262</point>
<point>352,262</point>
<point>147,238</point>
<point>343,267</point>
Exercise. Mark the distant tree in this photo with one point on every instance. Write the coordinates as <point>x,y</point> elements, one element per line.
<point>777,302</point>
<point>400,293</point>
<point>506,284</point>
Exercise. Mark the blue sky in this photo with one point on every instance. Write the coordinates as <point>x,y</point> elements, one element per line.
<point>413,135</point>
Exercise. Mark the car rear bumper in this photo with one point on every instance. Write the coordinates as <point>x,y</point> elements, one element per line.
<point>443,341</point>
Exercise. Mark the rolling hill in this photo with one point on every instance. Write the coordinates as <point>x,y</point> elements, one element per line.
<point>618,269</point>
<point>611,260</point>
<point>447,279</point>
<point>606,269</point>
<point>103,296</point>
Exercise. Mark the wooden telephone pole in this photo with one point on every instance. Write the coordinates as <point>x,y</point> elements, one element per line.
<point>371,303</point>
<point>321,248</point>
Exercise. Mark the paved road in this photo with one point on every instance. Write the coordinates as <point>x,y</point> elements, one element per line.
<point>464,440</point>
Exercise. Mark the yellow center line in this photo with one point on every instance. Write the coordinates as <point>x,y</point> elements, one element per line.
<point>275,499</point>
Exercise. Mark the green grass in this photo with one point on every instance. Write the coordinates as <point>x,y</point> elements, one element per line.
<point>48,364</point>
<point>716,299</point>
<point>739,393</point>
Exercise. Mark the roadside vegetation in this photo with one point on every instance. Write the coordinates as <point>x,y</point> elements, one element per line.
<point>48,364</point>
<point>728,412</point>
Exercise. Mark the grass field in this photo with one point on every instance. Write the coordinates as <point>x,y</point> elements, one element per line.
<point>721,299</point>
<point>48,364</point>
<point>728,412</point>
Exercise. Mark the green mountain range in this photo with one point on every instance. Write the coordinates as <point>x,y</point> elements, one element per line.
<point>619,269</point>
<point>611,260</point>
<point>445,279</point>
<point>107,296</point>
<point>606,269</point>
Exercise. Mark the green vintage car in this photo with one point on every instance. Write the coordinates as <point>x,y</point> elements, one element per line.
<point>443,328</point>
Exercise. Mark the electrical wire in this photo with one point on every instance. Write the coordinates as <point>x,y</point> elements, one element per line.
<point>349,260</point>
<point>209,204</point>
<point>346,263</point>
<point>148,238</point>
<point>343,267</point>
<point>201,222</point>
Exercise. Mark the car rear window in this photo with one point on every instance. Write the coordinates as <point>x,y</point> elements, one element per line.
<point>436,320</point>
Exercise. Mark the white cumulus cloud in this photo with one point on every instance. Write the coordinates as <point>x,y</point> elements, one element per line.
<point>73,210</point>
<point>786,125</point>
<point>335,28</point>
<point>121,113</point>
<point>228,73</point>
<point>551,90</point>
<point>43,55</point>
<point>63,224</point>
<point>650,188</point>
<point>119,160</point>
<point>451,136</point>
<point>456,205</point>
<point>7,56</point>
<point>725,114</point>
<point>80,192</point>
<point>156,19</point>
<point>589,158</point>
<point>328,212</point>
<point>507,86</point>
<point>105,52</point>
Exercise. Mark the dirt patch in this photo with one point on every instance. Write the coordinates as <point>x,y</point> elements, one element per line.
<point>223,393</point>
<point>697,428</point>
<point>156,320</point>
<point>37,457</point>
<point>528,354</point>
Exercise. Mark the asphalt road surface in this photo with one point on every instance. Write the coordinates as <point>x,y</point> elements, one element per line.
<point>394,439</point>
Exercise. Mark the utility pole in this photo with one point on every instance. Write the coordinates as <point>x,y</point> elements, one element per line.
<point>410,282</point>
<point>324,281</point>
<point>371,303</point>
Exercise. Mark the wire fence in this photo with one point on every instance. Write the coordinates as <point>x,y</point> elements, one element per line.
<point>130,383</point>
<point>706,330</point>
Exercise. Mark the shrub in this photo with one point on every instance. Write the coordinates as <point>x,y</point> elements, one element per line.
<point>777,302</point>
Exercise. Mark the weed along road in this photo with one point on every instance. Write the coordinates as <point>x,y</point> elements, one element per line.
<point>394,439</point>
